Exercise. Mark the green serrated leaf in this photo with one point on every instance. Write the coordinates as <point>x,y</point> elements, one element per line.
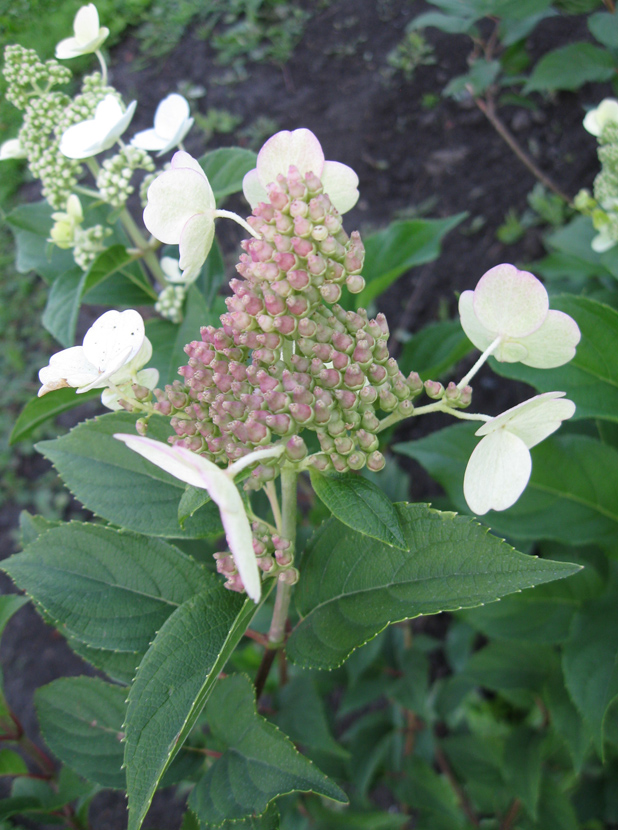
<point>270,820</point>
<point>173,683</point>
<point>226,168</point>
<point>425,790</point>
<point>302,717</point>
<point>11,763</point>
<point>435,350</point>
<point>401,246</point>
<point>604,27</point>
<point>191,500</point>
<point>31,225</point>
<point>81,720</point>
<point>63,301</point>
<point>566,720</point>
<point>570,67</point>
<point>590,380</point>
<point>31,527</point>
<point>352,586</point>
<point>259,764</point>
<point>39,410</point>
<point>361,505</point>
<point>590,662</point>
<point>119,485</point>
<point>108,590</point>
<point>572,495</point>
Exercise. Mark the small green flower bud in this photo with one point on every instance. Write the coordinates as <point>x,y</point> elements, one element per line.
<point>376,462</point>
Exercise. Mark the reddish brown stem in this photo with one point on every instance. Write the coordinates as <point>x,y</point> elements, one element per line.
<point>263,671</point>
<point>500,127</point>
<point>512,814</point>
<point>464,802</point>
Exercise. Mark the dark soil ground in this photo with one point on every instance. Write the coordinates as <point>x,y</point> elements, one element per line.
<point>405,154</point>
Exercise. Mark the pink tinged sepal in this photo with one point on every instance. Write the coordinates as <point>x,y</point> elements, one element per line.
<point>199,472</point>
<point>301,149</point>
<point>510,302</point>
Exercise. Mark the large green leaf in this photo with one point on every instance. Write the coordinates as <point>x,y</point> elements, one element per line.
<point>399,247</point>
<point>173,683</point>
<point>60,315</point>
<point>81,720</point>
<point>502,666</point>
<point>590,662</point>
<point>119,485</point>
<point>259,764</point>
<point>572,495</point>
<point>570,67</point>
<point>436,349</point>
<point>31,225</point>
<point>302,716</point>
<point>352,586</point>
<point>226,168</point>
<point>39,410</point>
<point>270,820</point>
<point>109,590</point>
<point>604,27</point>
<point>361,505</point>
<point>590,380</point>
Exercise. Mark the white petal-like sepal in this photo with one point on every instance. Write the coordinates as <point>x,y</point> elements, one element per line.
<point>88,36</point>
<point>199,472</point>
<point>171,124</point>
<point>97,134</point>
<point>497,472</point>
<point>533,420</point>
<point>597,118</point>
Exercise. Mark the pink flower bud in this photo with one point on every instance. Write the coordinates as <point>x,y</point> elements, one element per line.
<point>266,563</point>
<point>362,354</point>
<point>340,360</point>
<point>264,210</point>
<point>321,462</point>
<point>301,364</point>
<point>225,563</point>
<point>302,247</point>
<point>281,243</point>
<point>299,280</point>
<point>315,186</point>
<point>405,409</point>
<point>285,260</point>
<point>335,272</point>
<point>434,389</point>
<point>280,424</point>
<point>355,283</point>
<point>277,401</point>
<point>346,398</point>
<point>322,413</point>
<point>465,397</point>
<point>344,445</point>
<point>141,425</point>
<point>283,557</point>
<point>354,321</point>
<point>381,353</point>
<point>376,461</point>
<point>323,351</point>
<point>330,378</point>
<point>297,305</point>
<point>333,223</point>
<point>302,227</point>
<point>266,382</point>
<point>299,208</point>
<point>289,576</point>
<point>343,342</point>
<point>370,421</point>
<point>296,449</point>
<point>331,292</point>
<point>285,324</point>
<point>367,441</point>
<point>278,199</point>
<point>316,209</point>
<point>357,460</point>
<point>282,288</point>
<point>376,374</point>
<point>257,432</point>
<point>368,395</point>
<point>340,464</point>
<point>388,401</point>
<point>354,377</point>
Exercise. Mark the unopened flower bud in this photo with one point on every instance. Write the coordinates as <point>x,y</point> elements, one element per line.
<point>321,462</point>
<point>368,395</point>
<point>415,384</point>
<point>370,421</point>
<point>434,389</point>
<point>405,409</point>
<point>331,292</point>
<point>357,460</point>
<point>376,461</point>
<point>296,449</point>
<point>388,401</point>
<point>339,463</point>
<point>141,425</point>
<point>290,576</point>
<point>301,412</point>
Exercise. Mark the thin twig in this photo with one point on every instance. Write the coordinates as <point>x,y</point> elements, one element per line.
<point>512,814</point>
<point>464,802</point>
<point>268,658</point>
<point>500,127</point>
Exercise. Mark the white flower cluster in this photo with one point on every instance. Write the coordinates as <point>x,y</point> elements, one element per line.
<point>170,301</point>
<point>27,76</point>
<point>89,243</point>
<point>114,178</point>
<point>602,122</point>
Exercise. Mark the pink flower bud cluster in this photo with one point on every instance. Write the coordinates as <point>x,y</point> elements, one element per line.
<point>275,556</point>
<point>288,357</point>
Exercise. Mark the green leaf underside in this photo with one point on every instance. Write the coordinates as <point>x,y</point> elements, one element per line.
<point>352,586</point>
<point>39,410</point>
<point>401,246</point>
<point>590,662</point>
<point>259,764</point>
<point>81,720</point>
<point>571,66</point>
<point>173,683</point>
<point>226,168</point>
<point>590,380</point>
<point>121,486</point>
<point>109,590</point>
<point>572,495</point>
<point>361,505</point>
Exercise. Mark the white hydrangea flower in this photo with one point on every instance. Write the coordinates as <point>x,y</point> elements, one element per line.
<point>303,150</point>
<point>172,122</point>
<point>181,211</point>
<point>597,118</point>
<point>12,149</point>
<point>197,471</point>
<point>500,466</point>
<point>86,139</point>
<point>148,378</point>
<point>114,349</point>
<point>513,305</point>
<point>88,35</point>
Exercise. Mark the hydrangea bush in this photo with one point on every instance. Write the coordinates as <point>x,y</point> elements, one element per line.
<point>195,480</point>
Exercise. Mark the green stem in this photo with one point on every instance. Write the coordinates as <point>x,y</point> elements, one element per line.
<point>150,258</point>
<point>438,406</point>
<point>99,55</point>
<point>289,476</point>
